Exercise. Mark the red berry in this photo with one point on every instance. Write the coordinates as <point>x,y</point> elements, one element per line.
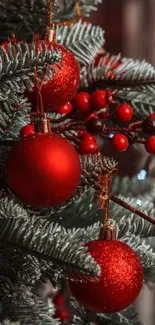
<point>101,99</point>
<point>152,115</point>
<point>86,136</point>
<point>120,142</point>
<point>150,145</point>
<point>124,113</point>
<point>65,109</point>
<point>88,147</point>
<point>81,102</point>
<point>26,130</point>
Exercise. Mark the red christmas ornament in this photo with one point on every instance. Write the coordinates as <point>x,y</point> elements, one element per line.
<point>63,85</point>
<point>150,145</point>
<point>120,281</point>
<point>65,109</point>
<point>43,169</point>
<point>26,130</point>
<point>88,147</point>
<point>124,113</point>
<point>101,99</point>
<point>120,142</point>
<point>81,102</point>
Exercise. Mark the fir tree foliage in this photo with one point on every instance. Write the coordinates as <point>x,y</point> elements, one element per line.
<point>51,242</point>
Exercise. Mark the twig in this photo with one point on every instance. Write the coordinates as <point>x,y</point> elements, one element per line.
<point>132,209</point>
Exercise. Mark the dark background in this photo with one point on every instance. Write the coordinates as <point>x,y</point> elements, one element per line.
<point>129,27</point>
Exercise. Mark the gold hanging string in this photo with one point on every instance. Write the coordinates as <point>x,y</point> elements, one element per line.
<point>103,197</point>
<point>78,9</point>
<point>40,107</point>
<point>50,27</point>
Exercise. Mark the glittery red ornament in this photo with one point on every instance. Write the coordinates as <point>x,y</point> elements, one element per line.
<point>63,85</point>
<point>43,169</point>
<point>120,281</point>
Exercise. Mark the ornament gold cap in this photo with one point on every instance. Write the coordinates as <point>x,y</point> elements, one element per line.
<point>42,124</point>
<point>51,33</point>
<point>108,231</point>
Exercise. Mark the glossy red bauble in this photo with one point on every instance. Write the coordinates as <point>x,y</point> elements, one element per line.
<point>120,142</point>
<point>101,99</point>
<point>63,84</point>
<point>120,281</point>
<point>124,113</point>
<point>43,169</point>
<point>88,147</point>
<point>26,130</point>
<point>81,102</point>
<point>150,145</point>
<point>65,109</point>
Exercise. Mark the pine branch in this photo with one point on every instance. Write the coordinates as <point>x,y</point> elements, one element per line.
<point>8,322</point>
<point>132,209</point>
<point>19,304</point>
<point>82,213</point>
<point>132,187</point>
<point>79,321</point>
<point>129,222</point>
<point>17,67</point>
<point>46,241</point>
<point>26,267</point>
<point>126,317</point>
<point>142,102</point>
<point>93,166</point>
<point>120,74</point>
<point>82,39</point>
<point>144,251</point>
<point>13,116</point>
<point>30,17</point>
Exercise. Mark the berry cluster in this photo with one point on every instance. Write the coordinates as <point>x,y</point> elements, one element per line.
<point>88,143</point>
<point>90,116</point>
<point>83,103</point>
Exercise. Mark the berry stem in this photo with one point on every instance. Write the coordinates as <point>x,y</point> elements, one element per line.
<point>131,208</point>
